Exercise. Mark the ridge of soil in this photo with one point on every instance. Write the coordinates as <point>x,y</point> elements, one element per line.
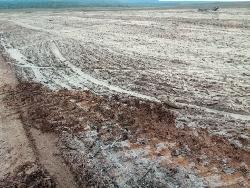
<point>116,119</point>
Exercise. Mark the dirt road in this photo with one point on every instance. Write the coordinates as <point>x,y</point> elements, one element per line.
<point>15,149</point>
<point>24,150</point>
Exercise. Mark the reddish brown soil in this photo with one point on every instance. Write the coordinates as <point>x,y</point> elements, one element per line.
<point>71,110</point>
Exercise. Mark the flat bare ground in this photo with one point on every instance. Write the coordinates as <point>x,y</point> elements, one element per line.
<point>121,133</point>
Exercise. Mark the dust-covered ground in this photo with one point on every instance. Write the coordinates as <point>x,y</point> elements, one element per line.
<point>198,63</point>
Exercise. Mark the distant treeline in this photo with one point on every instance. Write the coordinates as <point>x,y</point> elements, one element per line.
<point>19,4</point>
<point>76,3</point>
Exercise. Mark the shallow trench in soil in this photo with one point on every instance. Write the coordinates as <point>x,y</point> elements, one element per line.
<point>84,139</point>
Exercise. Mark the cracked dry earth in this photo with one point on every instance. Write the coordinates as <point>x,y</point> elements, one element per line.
<point>97,85</point>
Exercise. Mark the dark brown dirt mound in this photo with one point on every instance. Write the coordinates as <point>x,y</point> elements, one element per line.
<point>28,175</point>
<point>72,111</point>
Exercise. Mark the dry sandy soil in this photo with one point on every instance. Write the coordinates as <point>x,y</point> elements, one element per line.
<point>134,98</point>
